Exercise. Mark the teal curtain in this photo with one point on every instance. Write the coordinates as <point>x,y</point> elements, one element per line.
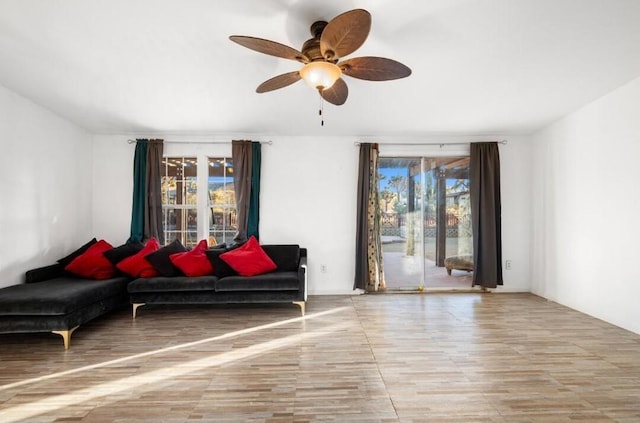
<point>139,190</point>
<point>254,197</point>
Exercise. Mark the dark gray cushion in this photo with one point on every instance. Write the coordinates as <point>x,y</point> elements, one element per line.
<point>220,268</point>
<point>274,281</point>
<point>160,259</point>
<point>286,257</point>
<point>48,322</point>
<point>212,297</point>
<point>176,283</point>
<point>58,296</point>
<point>44,273</point>
<point>117,254</point>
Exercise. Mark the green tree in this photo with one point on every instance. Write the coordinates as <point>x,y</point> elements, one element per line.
<point>459,185</point>
<point>399,184</point>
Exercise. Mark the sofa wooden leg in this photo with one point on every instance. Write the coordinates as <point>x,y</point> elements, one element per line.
<point>135,308</point>
<point>66,336</point>
<point>300,304</point>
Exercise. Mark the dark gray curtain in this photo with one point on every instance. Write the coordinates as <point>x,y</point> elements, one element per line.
<point>484,188</point>
<point>242,155</point>
<point>369,270</point>
<point>153,199</point>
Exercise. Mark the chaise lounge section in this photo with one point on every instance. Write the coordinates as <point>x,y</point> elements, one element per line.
<point>54,301</point>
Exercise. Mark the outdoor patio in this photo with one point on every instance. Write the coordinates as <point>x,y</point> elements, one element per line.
<point>403,272</point>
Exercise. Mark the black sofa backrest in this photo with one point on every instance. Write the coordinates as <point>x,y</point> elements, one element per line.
<point>286,257</point>
<point>44,273</point>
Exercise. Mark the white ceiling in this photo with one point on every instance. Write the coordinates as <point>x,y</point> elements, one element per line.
<point>168,67</point>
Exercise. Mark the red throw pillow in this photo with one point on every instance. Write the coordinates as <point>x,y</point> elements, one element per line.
<point>195,262</point>
<point>92,264</point>
<point>136,265</point>
<point>249,259</point>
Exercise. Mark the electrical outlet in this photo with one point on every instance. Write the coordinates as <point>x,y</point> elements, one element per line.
<point>507,264</point>
<point>323,268</point>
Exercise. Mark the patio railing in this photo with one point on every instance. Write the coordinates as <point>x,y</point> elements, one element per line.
<point>394,224</point>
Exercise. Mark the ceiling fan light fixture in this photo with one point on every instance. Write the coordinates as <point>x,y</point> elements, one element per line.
<point>320,75</point>
<point>322,68</point>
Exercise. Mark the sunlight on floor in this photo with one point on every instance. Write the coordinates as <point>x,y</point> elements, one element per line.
<point>31,409</point>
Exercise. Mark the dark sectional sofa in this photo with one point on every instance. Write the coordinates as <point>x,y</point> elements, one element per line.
<point>286,284</point>
<point>51,300</point>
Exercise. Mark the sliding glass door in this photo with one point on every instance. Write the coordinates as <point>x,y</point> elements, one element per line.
<point>425,222</point>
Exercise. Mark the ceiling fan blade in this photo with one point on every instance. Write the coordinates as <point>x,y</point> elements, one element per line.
<point>279,81</point>
<point>337,94</point>
<point>269,47</point>
<point>374,68</point>
<point>345,34</point>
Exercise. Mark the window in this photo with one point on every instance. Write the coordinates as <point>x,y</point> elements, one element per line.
<point>190,213</point>
<point>180,199</point>
<point>222,201</point>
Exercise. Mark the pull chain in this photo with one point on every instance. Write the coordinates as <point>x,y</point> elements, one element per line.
<point>321,109</point>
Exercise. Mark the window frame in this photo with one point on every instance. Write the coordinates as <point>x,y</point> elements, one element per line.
<point>202,151</point>
<point>228,208</point>
<point>181,209</point>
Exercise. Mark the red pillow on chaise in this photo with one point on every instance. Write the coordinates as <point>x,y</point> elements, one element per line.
<point>249,259</point>
<point>92,264</point>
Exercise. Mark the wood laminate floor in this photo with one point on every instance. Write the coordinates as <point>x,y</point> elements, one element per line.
<point>434,357</point>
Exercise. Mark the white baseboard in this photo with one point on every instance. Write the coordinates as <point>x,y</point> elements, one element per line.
<point>499,290</point>
<point>337,292</point>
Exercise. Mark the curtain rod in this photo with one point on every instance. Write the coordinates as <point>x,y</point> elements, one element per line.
<point>440,144</point>
<point>200,142</point>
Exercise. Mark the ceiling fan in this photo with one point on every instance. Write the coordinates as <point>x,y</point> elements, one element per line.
<point>322,54</point>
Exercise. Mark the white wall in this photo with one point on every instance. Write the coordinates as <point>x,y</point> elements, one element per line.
<point>515,186</point>
<point>586,208</point>
<point>45,211</point>
<point>112,177</point>
<point>308,197</point>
